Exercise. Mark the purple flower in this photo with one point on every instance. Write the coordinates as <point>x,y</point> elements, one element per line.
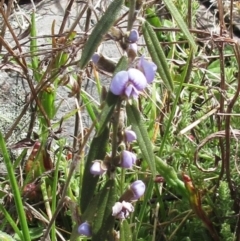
<point>138,188</point>
<point>130,135</point>
<point>85,229</point>
<point>95,58</point>
<point>133,36</point>
<point>127,159</point>
<point>98,168</point>
<point>128,83</point>
<point>148,68</point>
<point>122,209</point>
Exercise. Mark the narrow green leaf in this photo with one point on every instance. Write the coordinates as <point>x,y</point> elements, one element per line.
<point>89,182</point>
<point>107,111</point>
<point>171,177</point>
<point>157,54</point>
<point>5,237</point>
<point>15,189</point>
<point>180,22</point>
<point>184,78</point>
<point>90,107</point>
<point>103,222</point>
<point>125,231</point>
<point>101,28</point>
<point>135,119</point>
<point>154,20</point>
<point>10,221</point>
<point>140,216</point>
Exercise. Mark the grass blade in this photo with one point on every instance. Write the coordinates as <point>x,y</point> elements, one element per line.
<point>15,190</point>
<point>157,55</point>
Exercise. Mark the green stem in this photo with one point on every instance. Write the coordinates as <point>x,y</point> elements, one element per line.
<point>15,190</point>
<point>54,191</point>
<point>115,129</point>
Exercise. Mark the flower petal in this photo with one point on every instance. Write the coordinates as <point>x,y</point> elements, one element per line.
<point>128,159</point>
<point>131,91</point>
<point>121,210</point>
<point>128,206</point>
<point>138,188</point>
<point>137,78</point>
<point>130,135</point>
<point>98,168</point>
<point>149,69</point>
<point>119,82</point>
<point>117,208</point>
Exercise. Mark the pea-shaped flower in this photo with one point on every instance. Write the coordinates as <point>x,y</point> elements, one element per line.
<point>148,68</point>
<point>128,159</point>
<point>85,229</point>
<point>121,210</point>
<point>129,83</point>
<point>138,188</point>
<point>98,168</point>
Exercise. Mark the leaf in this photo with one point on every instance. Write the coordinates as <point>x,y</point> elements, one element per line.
<point>5,237</point>
<point>180,22</point>
<point>125,231</point>
<point>103,221</point>
<point>89,182</point>
<point>101,28</point>
<point>135,119</point>
<point>157,54</point>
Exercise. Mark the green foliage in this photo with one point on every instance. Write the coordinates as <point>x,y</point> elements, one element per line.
<point>181,121</point>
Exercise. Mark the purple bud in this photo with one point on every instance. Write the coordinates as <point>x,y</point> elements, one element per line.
<point>133,36</point>
<point>95,58</point>
<point>98,168</point>
<point>85,229</point>
<point>148,68</point>
<point>128,159</point>
<point>128,83</point>
<point>121,210</point>
<point>138,188</point>
<point>130,135</point>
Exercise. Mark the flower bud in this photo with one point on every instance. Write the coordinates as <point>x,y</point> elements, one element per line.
<point>130,135</point>
<point>98,168</point>
<point>85,229</point>
<point>138,188</point>
<point>132,51</point>
<point>133,36</point>
<point>128,159</point>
